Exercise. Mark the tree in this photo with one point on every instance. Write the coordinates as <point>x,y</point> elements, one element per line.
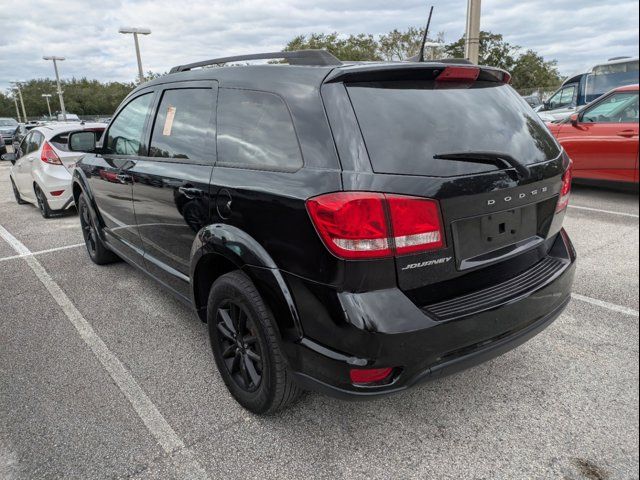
<point>81,96</point>
<point>493,51</point>
<point>360,47</point>
<point>532,72</point>
<point>397,45</point>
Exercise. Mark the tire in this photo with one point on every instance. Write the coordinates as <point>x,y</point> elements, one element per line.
<point>245,346</point>
<point>16,193</point>
<point>43,205</point>
<point>98,252</point>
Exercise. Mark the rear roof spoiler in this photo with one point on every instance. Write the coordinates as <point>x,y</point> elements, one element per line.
<point>399,71</point>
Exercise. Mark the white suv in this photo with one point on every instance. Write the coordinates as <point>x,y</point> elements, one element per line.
<point>43,164</point>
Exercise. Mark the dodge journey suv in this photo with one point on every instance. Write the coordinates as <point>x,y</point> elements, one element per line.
<point>349,228</point>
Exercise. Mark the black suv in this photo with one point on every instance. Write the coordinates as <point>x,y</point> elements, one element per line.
<point>352,228</point>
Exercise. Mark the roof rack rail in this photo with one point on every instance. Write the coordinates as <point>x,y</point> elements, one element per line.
<point>296,57</point>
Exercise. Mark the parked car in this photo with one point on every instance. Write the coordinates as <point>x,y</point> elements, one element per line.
<point>42,166</point>
<point>71,117</point>
<point>350,228</point>
<point>584,88</point>
<point>602,138</point>
<point>8,128</point>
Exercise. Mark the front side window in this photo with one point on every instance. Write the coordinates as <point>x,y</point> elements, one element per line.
<point>125,133</point>
<point>617,108</point>
<point>255,131</point>
<point>563,98</point>
<point>184,125</point>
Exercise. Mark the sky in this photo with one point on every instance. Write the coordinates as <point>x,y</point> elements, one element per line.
<point>578,34</point>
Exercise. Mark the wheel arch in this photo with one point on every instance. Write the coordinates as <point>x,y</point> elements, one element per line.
<point>222,248</point>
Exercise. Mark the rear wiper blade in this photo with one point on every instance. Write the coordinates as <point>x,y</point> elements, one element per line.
<point>498,159</point>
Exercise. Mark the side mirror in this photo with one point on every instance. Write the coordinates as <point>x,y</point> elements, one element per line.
<point>546,105</point>
<point>12,157</point>
<point>574,118</point>
<point>82,141</point>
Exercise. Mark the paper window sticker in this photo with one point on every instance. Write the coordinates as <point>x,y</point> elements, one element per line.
<point>168,123</point>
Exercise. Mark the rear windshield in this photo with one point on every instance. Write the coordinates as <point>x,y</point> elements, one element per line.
<point>404,124</point>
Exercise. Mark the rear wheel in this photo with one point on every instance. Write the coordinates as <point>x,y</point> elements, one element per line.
<point>43,205</point>
<point>97,250</point>
<point>16,193</point>
<point>245,346</point>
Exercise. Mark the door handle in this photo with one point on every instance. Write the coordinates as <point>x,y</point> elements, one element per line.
<point>123,178</point>
<point>626,133</point>
<point>190,193</point>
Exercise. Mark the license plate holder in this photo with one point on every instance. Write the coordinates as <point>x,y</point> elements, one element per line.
<point>479,236</point>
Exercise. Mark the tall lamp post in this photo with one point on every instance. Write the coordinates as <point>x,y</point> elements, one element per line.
<point>55,67</point>
<point>136,32</point>
<point>472,33</point>
<point>24,112</point>
<point>47,96</point>
<point>15,100</point>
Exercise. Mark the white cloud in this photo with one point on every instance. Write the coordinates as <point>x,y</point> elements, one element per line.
<point>577,34</point>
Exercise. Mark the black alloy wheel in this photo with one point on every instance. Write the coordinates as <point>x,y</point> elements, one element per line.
<point>88,229</point>
<point>239,345</point>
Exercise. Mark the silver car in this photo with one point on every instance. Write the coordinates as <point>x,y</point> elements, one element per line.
<point>43,164</point>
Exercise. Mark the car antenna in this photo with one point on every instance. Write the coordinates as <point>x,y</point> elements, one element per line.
<point>424,37</point>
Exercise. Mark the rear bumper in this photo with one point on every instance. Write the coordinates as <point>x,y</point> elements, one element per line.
<point>52,178</point>
<point>436,349</point>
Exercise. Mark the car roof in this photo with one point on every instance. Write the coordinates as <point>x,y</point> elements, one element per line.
<point>52,129</point>
<point>285,78</point>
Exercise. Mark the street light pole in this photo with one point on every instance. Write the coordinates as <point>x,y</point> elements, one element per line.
<point>15,100</point>
<point>472,32</point>
<point>55,67</point>
<point>136,32</point>
<point>47,96</point>
<point>24,112</point>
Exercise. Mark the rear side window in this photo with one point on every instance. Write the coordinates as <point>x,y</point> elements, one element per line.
<point>61,141</point>
<point>255,131</point>
<point>404,124</point>
<point>184,125</point>
<point>125,132</point>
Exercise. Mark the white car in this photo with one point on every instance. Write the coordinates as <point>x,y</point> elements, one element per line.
<point>42,166</point>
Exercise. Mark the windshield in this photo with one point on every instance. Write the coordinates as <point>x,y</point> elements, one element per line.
<point>8,122</point>
<point>607,77</point>
<point>404,124</point>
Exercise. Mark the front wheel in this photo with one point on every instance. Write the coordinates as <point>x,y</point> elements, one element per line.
<point>245,346</point>
<point>97,250</point>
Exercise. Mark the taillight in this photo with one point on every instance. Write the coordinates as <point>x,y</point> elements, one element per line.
<point>352,224</point>
<point>565,191</point>
<point>48,155</point>
<point>357,225</point>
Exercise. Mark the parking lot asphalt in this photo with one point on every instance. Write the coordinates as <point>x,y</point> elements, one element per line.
<point>105,375</point>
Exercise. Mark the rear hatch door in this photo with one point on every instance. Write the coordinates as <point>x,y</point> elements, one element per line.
<point>473,144</point>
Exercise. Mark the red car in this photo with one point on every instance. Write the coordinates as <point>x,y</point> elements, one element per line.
<point>602,138</point>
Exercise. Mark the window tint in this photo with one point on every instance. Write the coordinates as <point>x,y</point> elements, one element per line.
<point>616,108</point>
<point>125,132</point>
<point>406,123</point>
<point>183,126</point>
<point>255,131</point>
<point>31,143</point>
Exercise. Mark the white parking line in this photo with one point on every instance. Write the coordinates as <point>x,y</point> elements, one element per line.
<point>607,305</point>
<point>157,425</point>
<point>610,212</point>
<point>40,252</point>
